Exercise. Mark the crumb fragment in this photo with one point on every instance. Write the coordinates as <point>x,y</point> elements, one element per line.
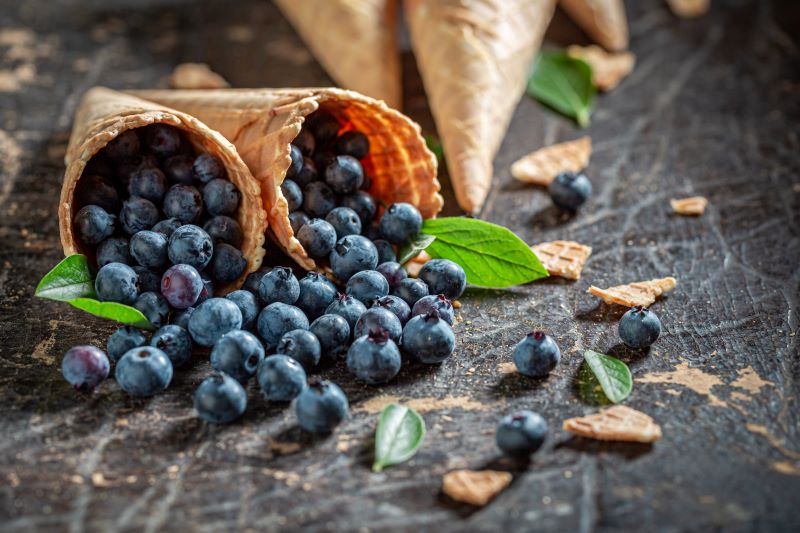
<point>641,293</point>
<point>617,423</point>
<point>196,76</point>
<point>542,166</point>
<point>475,487</point>
<point>692,206</point>
<point>608,68</point>
<point>563,258</point>
<point>689,8</point>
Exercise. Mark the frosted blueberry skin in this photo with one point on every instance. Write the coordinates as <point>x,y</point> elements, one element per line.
<point>247,302</point>
<point>302,345</point>
<point>393,272</point>
<point>116,282</point>
<point>321,407</point>
<point>207,167</point>
<point>148,183</point>
<point>167,226</point>
<point>123,146</point>
<point>410,290</point>
<point>181,285</point>
<point>443,276</point>
<point>323,126</point>
<point>318,199</point>
<point>352,254</point>
<point>345,221</point>
<point>333,334</point>
<point>149,280</point>
<point>536,355</point>
<point>428,338</point>
<point>362,203</point>
<point>163,140</point>
<point>316,293</point>
<point>400,223</point>
<point>181,318</point>
<point>84,367</point>
<point>178,169</point>
<point>220,399</point>
<point>521,433</point>
<point>138,214</point>
<point>253,281</point>
<point>639,327</point>
<point>396,305</point>
<point>386,253</point>
<point>190,245</point>
<point>308,173</point>
<point>569,190</point>
<point>367,286</point>
<point>348,308</point>
<point>184,203</point>
<point>228,263</point>
<point>344,175</point>
<point>113,250</point>
<point>297,220</point>
<point>279,285</point>
<point>378,319</point>
<point>93,225</point>
<point>296,156</point>
<point>237,353</point>
<point>224,229</point>
<point>149,249</point>
<point>175,342</point>
<point>374,358</point>
<point>277,319</point>
<point>144,371</point>
<point>305,142</point>
<point>154,307</point>
<point>212,319</point>
<point>124,339</point>
<point>352,143</point>
<point>93,189</point>
<point>437,303</point>
<point>221,197</point>
<point>293,194</point>
<point>317,237</point>
<point>281,378</point>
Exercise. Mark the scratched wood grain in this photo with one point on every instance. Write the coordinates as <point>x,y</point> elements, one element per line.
<point>711,109</point>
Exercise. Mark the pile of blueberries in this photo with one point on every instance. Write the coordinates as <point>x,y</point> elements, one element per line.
<point>278,328</point>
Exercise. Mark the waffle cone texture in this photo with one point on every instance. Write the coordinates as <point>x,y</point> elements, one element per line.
<point>103,114</point>
<point>602,20</point>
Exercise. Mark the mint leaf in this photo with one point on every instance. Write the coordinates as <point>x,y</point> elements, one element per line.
<point>398,437</point>
<point>491,255</point>
<point>69,279</point>
<point>613,375</point>
<point>122,313</point>
<point>565,84</point>
<point>413,248</point>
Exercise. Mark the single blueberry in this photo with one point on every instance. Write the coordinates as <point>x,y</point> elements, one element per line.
<point>144,371</point>
<point>352,254</point>
<point>149,280</point>
<point>276,319</point>
<point>296,161</point>
<point>302,345</point>
<point>396,305</point>
<point>138,214</point>
<point>181,285</point>
<point>207,167</point>
<point>212,319</point>
<point>184,203</point>
<point>154,307</point>
<point>93,189</point>
<point>378,318</point>
<point>224,229</point>
<point>305,142</point>
<point>569,190</point>
<point>123,146</point>
<point>318,199</point>
<point>386,252</point>
<point>149,183</point>
<point>362,203</point>
<point>410,290</point>
<point>374,357</point>
<point>536,355</point>
<point>443,276</point>
<point>345,221</point>
<point>220,399</point>
<point>167,226</point>
<point>393,272</point>
<point>321,407</point>
<point>292,193</point>
<point>248,304</point>
<point>344,175</point>
<point>228,263</point>
<point>367,286</point>
<point>348,308</point>
<point>162,140</point>
<point>93,224</point>
<point>639,327</point>
<point>352,143</point>
<point>322,160</point>
<point>253,281</point>
<point>237,353</point>
<point>428,338</point>
<point>149,248</point>
<point>279,285</point>
<point>190,245</point>
<point>323,126</point>
<point>521,433</point>
<point>175,342</point>
<point>316,294</point>
<point>318,238</point>
<point>124,339</point>
<point>113,250</point>
<point>116,282</point>
<point>130,167</point>
<point>435,302</point>
<point>333,333</point>
<point>281,378</point>
<point>178,169</point>
<point>400,223</point>
<point>307,174</point>
<point>221,197</point>
<point>297,220</point>
<point>181,318</point>
<point>84,367</point>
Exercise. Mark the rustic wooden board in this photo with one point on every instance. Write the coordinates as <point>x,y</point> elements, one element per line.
<point>711,109</point>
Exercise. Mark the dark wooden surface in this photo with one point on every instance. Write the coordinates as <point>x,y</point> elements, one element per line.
<point>711,109</point>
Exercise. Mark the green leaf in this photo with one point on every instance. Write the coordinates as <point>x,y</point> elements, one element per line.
<point>122,313</point>
<point>398,437</point>
<point>491,255</point>
<point>435,146</point>
<point>613,375</point>
<point>69,279</point>
<point>565,84</point>
<point>411,249</point>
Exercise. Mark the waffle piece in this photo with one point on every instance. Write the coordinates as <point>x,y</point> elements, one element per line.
<point>542,166</point>
<point>689,8</point>
<point>563,258</point>
<point>603,21</point>
<point>618,423</point>
<point>692,206</point>
<point>641,293</point>
<point>196,76</point>
<point>608,69</point>
<point>475,487</point>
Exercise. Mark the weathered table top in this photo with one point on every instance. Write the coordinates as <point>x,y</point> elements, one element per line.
<point>712,109</point>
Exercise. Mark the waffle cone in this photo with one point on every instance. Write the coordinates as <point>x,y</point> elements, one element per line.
<point>262,123</point>
<point>474,57</point>
<point>602,20</point>
<point>103,114</point>
<point>362,53</point>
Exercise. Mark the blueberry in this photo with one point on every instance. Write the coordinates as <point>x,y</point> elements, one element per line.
<point>396,305</point>
<point>385,251</point>
<point>96,190</point>
<point>190,245</point>
<point>302,345</point>
<point>400,223</point>
<point>569,190</point>
<point>352,254</point>
<point>181,285</point>
<point>345,221</point>
<point>443,276</point>
<point>348,308</point>
<point>124,339</point>
<point>344,175</point>
<point>305,142</point>
<point>129,168</point>
<point>281,378</point>
<point>113,250</point>
<point>536,355</point>
<point>224,229</point>
<point>372,231</point>
<point>639,327</point>
<point>435,302</point>
<point>367,286</point>
<point>175,342</point>
<point>181,318</point>
<point>237,353</point>
<point>178,169</point>
<point>207,292</point>
<point>93,224</point>
<point>144,371</point>
<point>428,338</point>
<point>307,174</point>
<point>292,193</point>
<point>316,294</point>
<point>352,143</point>
<point>317,237</point>
<point>362,203</point>
<point>207,167</point>
<point>374,357</point>
<point>149,280</point>
<point>84,367</point>
<point>221,197</point>
<point>167,226</point>
<point>253,281</point>
<point>321,407</point>
<point>184,203</point>
<point>248,304</point>
<point>149,248</point>
<point>521,433</point>
<point>279,285</point>
<point>154,307</point>
<point>297,220</point>
<point>393,272</point>
<point>318,199</point>
<point>137,214</point>
<point>148,183</point>
<point>333,333</point>
<point>123,146</point>
<point>296,161</point>
<point>116,282</point>
<point>228,263</point>
<point>378,318</point>
<point>322,160</point>
<point>220,399</point>
<point>323,126</point>
<point>212,319</point>
<point>276,319</point>
<point>410,290</point>
<point>162,140</point>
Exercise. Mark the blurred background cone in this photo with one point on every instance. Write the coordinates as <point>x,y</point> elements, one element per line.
<point>603,21</point>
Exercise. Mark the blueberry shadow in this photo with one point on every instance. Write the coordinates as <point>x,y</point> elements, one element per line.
<point>630,356</point>
<point>514,385</point>
<point>551,217</point>
<point>628,450</point>
<point>600,312</point>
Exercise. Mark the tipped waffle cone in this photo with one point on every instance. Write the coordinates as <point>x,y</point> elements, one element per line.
<point>262,123</point>
<point>103,114</point>
<point>602,20</point>
<point>361,53</point>
<point>618,423</point>
<point>641,293</point>
<point>474,57</point>
<point>563,258</point>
